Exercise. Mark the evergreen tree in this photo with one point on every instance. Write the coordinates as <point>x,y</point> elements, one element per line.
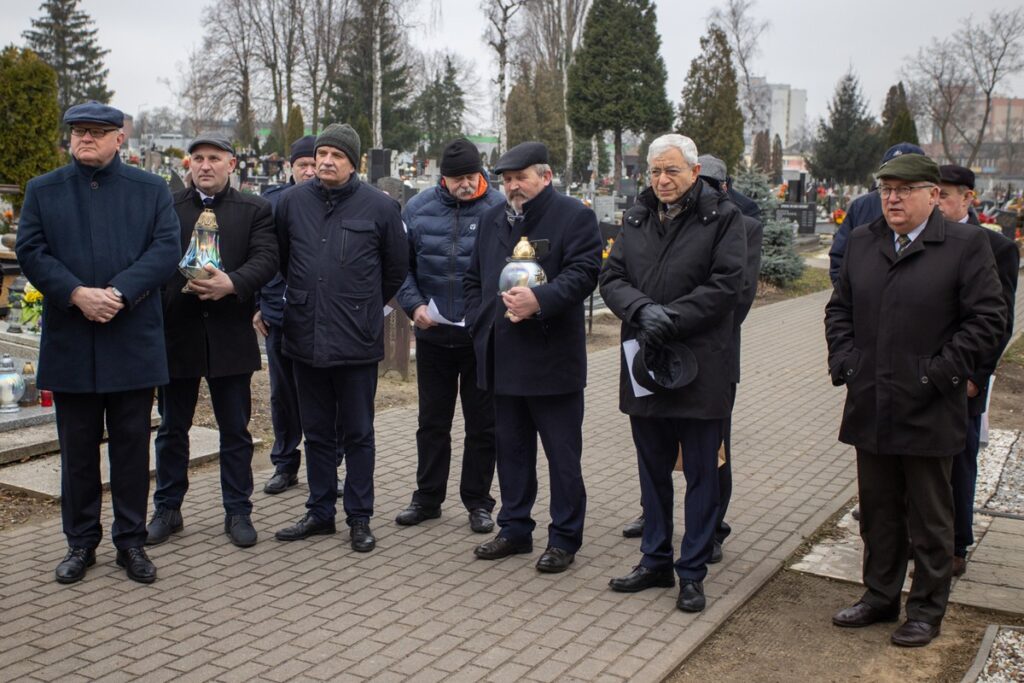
<point>710,112</point>
<point>439,109</point>
<point>617,81</point>
<point>848,145</point>
<point>762,152</point>
<point>65,39</point>
<point>351,94</point>
<point>897,121</point>
<point>776,160</point>
<point>296,127</point>
<point>781,264</point>
<point>28,108</point>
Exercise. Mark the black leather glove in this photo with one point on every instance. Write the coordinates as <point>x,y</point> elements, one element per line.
<point>655,323</point>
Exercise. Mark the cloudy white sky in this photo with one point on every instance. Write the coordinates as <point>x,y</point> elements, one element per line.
<point>809,45</point>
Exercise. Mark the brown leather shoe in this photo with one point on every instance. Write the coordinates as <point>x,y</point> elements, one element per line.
<point>959,565</point>
<point>915,633</point>
<point>863,614</point>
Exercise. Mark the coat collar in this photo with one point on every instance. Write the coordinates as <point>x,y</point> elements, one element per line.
<point>197,198</point>
<point>335,194</point>
<point>934,231</point>
<point>707,203</point>
<point>96,174</point>
<point>532,210</point>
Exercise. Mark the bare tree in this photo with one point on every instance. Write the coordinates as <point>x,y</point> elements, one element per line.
<point>941,91</point>
<point>744,33</point>
<point>202,105</point>
<point>323,27</point>
<point>499,14</point>
<point>277,28</point>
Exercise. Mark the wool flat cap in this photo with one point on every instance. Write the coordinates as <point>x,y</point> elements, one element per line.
<point>303,147</point>
<point>712,167</point>
<point>523,155</point>
<point>956,175</point>
<point>95,112</point>
<point>214,139</point>
<point>667,367</point>
<point>340,136</point>
<point>460,157</point>
<point>910,167</point>
<point>899,149</point>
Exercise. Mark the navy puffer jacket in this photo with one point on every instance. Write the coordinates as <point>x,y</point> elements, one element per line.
<point>442,231</point>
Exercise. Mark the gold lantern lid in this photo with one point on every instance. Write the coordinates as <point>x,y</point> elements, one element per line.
<point>524,251</point>
<point>207,220</point>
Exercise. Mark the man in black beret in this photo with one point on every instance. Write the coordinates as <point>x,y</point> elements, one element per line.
<point>956,197</point>
<point>98,238</point>
<point>442,227</point>
<point>534,357</point>
<point>916,306</point>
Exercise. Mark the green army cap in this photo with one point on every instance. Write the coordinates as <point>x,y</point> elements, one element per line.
<point>910,167</point>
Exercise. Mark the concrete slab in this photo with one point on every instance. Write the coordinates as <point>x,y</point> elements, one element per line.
<point>37,435</point>
<point>25,417</point>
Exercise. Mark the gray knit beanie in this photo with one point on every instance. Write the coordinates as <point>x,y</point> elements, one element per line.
<point>340,136</point>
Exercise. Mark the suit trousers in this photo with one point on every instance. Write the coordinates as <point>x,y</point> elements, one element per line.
<point>328,397</point>
<point>80,422</point>
<point>897,493</point>
<point>443,374</point>
<point>558,419</point>
<point>963,478</point>
<point>284,406</point>
<point>232,406</point>
<point>722,528</point>
<point>658,441</point>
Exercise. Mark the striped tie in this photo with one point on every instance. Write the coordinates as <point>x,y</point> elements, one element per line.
<point>901,243</point>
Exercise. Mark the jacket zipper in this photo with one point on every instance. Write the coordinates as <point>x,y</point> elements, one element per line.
<point>451,264</point>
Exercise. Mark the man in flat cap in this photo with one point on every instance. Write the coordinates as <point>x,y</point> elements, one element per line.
<point>343,256</point>
<point>534,357</point>
<point>674,277</point>
<point>918,305</point>
<point>97,238</point>
<point>208,327</point>
<point>284,399</point>
<point>956,196</point>
<point>443,227</point>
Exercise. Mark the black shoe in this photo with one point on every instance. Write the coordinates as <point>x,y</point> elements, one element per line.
<point>240,530</point>
<point>304,528</point>
<point>642,578</point>
<point>281,482</point>
<point>362,538</point>
<point>164,523</point>
<point>634,529</point>
<point>416,513</point>
<point>716,553</point>
<point>863,614</point>
<point>480,521</point>
<point>691,596</point>
<point>137,565</point>
<point>555,560</point>
<point>499,547</point>
<point>915,633</point>
<point>72,567</point>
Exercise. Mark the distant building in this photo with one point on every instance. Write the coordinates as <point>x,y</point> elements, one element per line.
<point>1002,151</point>
<point>784,112</point>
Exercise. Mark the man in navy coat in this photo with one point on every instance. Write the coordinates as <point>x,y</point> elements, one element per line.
<point>535,359</point>
<point>97,238</point>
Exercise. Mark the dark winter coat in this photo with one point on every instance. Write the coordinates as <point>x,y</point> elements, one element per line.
<point>442,231</point>
<point>270,298</point>
<point>754,232</point>
<point>545,354</point>
<point>216,338</point>
<point>343,255</point>
<point>696,270</point>
<point>905,334</point>
<point>114,226</point>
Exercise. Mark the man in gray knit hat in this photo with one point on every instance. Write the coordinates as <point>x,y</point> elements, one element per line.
<point>343,256</point>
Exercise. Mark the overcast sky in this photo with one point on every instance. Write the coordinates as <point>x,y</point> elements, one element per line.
<point>809,45</point>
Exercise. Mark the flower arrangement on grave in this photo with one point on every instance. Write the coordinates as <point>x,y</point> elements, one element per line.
<point>607,248</point>
<point>783,191</point>
<point>6,218</point>
<point>31,308</point>
<point>838,216</point>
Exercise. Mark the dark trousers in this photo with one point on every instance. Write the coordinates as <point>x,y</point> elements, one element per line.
<point>898,492</point>
<point>284,407</point>
<point>328,397</point>
<point>558,420</point>
<point>722,528</point>
<point>963,478</point>
<point>442,374</point>
<point>657,445</point>
<point>80,421</point>
<point>232,406</point>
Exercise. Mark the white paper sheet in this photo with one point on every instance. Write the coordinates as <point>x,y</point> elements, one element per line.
<point>630,347</point>
<point>436,316</point>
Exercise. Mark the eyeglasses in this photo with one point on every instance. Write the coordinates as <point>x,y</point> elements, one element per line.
<point>671,172</point>
<point>96,133</point>
<point>901,192</point>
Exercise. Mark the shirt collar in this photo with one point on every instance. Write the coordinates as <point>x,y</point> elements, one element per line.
<point>912,234</point>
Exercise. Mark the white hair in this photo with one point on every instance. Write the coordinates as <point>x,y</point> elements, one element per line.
<point>541,169</point>
<point>664,143</point>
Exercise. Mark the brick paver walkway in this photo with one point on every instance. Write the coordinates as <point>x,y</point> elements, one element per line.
<point>421,607</point>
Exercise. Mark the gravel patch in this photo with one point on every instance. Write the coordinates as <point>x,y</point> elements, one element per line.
<point>1008,496</point>
<point>1005,663</point>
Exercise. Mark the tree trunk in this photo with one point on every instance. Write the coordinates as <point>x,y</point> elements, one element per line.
<point>595,161</point>
<point>378,136</point>
<point>617,169</point>
<point>502,118</point>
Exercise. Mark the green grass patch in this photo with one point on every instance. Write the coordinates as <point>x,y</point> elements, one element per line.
<point>813,280</point>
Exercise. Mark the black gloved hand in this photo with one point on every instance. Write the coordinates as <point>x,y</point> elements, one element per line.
<point>655,323</point>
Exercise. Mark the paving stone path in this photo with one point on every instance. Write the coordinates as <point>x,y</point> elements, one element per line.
<point>421,607</point>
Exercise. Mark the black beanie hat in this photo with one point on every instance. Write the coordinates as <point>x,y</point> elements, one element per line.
<point>460,157</point>
<point>303,147</point>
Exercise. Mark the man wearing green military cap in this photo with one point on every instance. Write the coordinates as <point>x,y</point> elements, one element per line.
<point>917,304</point>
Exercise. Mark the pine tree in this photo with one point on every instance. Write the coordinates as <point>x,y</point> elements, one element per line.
<point>617,82</point>
<point>28,108</point>
<point>439,108</point>
<point>351,95</point>
<point>776,160</point>
<point>781,264</point>
<point>296,127</point>
<point>848,146</point>
<point>762,152</point>
<point>897,121</point>
<point>64,38</point>
<point>710,112</point>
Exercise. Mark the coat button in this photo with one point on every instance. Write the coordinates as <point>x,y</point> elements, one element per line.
<point>849,372</point>
<point>206,314</point>
<point>94,185</point>
<point>956,380</point>
<point>924,380</point>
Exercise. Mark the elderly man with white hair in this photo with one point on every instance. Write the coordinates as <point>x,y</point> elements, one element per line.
<point>674,277</point>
